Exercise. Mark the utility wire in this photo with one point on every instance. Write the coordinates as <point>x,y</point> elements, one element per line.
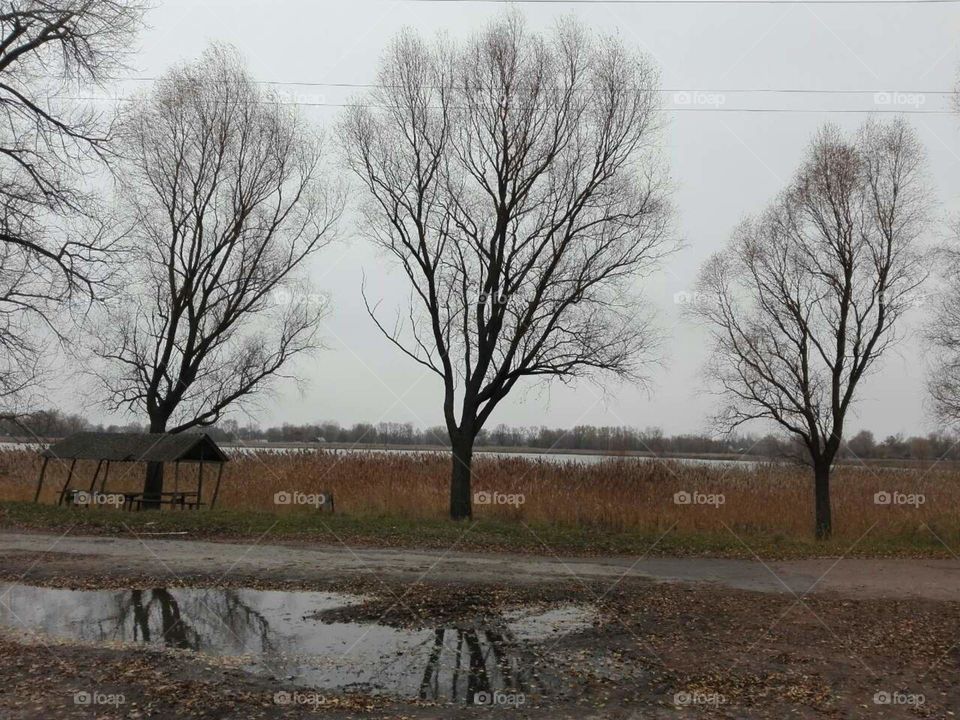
<point>725,91</point>
<point>901,101</point>
<point>804,111</point>
<point>691,2</point>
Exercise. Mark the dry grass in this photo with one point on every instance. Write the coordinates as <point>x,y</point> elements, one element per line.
<point>614,495</point>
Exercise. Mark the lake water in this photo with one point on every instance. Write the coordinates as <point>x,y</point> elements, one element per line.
<point>552,457</point>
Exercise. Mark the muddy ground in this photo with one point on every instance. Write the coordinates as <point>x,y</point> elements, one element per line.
<point>654,649</point>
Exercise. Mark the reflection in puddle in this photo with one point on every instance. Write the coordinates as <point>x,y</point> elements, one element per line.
<point>280,636</point>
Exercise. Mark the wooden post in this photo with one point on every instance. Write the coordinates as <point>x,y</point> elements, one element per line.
<point>43,471</point>
<point>176,476</point>
<point>106,473</point>
<point>93,482</point>
<point>200,482</point>
<point>66,485</point>
<point>216,488</point>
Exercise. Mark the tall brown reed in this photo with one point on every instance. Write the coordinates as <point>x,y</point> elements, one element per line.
<point>613,495</point>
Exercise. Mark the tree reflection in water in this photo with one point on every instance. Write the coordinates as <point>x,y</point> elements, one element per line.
<point>219,619</point>
<point>461,662</point>
<point>482,661</point>
<point>279,634</point>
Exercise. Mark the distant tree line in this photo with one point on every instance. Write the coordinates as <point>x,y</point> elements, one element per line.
<point>55,424</point>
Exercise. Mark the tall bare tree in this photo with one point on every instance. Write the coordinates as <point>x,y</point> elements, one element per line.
<point>943,328</point>
<point>514,178</point>
<point>807,296</point>
<point>943,332</point>
<point>224,188</point>
<point>52,243</point>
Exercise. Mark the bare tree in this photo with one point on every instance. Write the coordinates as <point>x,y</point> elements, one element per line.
<point>223,187</point>
<point>943,328</point>
<point>806,297</point>
<point>52,243</point>
<point>514,179</point>
<point>943,332</point>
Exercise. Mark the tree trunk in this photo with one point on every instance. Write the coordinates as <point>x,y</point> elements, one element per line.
<point>153,480</point>
<point>152,486</point>
<point>824,519</point>
<point>461,507</point>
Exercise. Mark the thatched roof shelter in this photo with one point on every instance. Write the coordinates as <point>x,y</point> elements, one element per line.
<point>106,448</point>
<point>137,447</point>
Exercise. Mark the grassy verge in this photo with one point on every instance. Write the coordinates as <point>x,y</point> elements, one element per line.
<point>481,535</point>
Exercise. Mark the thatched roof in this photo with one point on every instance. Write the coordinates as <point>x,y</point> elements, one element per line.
<point>137,447</point>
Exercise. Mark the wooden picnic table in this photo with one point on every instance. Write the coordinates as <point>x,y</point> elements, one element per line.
<point>174,498</point>
<point>134,500</point>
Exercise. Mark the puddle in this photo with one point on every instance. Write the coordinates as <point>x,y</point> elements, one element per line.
<point>279,636</point>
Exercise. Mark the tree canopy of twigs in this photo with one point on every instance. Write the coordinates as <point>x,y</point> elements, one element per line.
<point>943,328</point>
<point>53,243</point>
<point>943,332</point>
<point>808,295</point>
<point>515,180</point>
<point>224,189</point>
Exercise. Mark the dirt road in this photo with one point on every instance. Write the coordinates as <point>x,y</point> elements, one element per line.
<point>808,639</point>
<point>47,555</point>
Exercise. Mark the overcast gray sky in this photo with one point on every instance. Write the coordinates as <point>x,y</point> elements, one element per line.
<point>725,164</point>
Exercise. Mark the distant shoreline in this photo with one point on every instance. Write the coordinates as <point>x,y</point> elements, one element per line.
<point>503,449</point>
<point>512,450</point>
<point>613,454</point>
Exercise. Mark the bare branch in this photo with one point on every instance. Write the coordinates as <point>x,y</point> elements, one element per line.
<point>54,238</point>
<point>225,190</point>
<point>807,297</point>
<point>515,180</point>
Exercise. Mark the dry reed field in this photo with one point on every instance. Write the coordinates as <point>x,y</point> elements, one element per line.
<point>617,495</point>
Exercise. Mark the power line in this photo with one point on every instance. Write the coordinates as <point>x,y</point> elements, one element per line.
<point>810,91</point>
<point>708,108</point>
<point>808,111</point>
<point>723,91</point>
<point>692,2</point>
